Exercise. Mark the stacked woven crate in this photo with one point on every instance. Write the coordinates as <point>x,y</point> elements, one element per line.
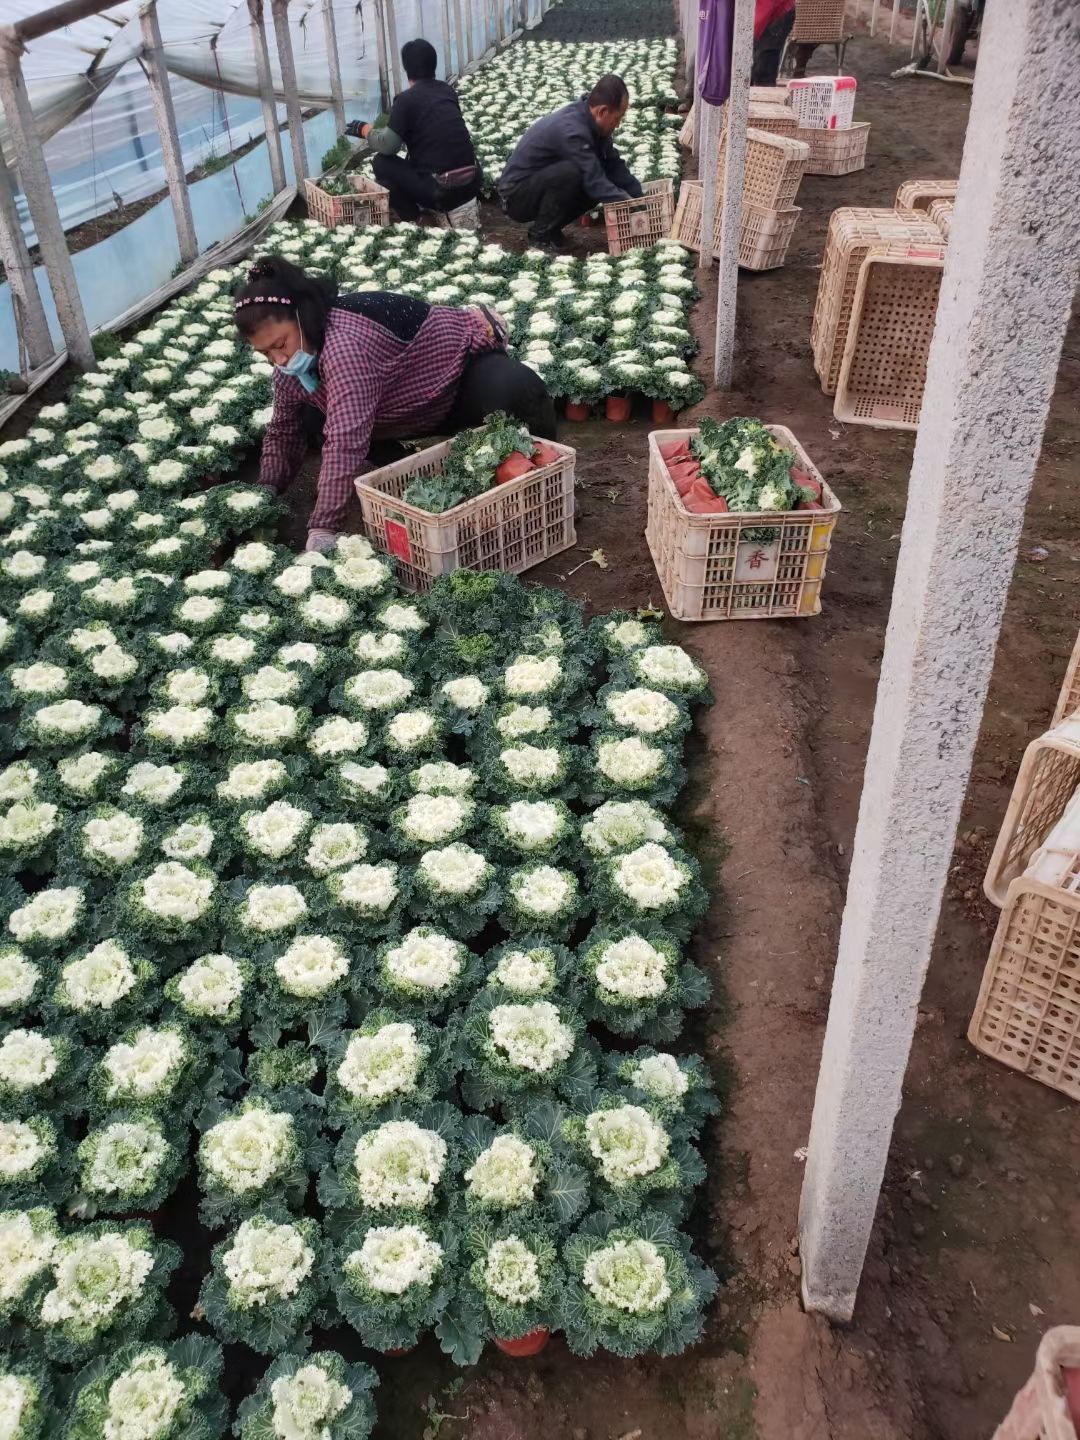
<point>874,317</point>
<point>824,106</point>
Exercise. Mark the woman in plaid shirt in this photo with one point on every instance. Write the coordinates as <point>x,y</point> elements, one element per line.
<point>375,365</point>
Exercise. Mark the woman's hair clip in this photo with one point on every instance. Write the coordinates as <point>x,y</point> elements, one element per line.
<point>263,300</point>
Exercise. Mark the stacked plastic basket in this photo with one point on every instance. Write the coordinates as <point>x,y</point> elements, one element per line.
<point>824,106</point>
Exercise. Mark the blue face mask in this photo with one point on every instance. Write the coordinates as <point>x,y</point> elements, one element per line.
<point>302,367</point>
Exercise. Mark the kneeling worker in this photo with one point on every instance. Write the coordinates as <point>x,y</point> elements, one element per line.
<point>440,172</point>
<point>566,163</point>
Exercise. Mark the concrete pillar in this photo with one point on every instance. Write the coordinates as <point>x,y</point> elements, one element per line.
<point>37,187</point>
<point>384,69</point>
<point>892,22</point>
<point>392,46</point>
<point>742,59</point>
<point>333,61</point>
<point>266,95</point>
<point>30,323</point>
<point>873,16</point>
<point>165,118</point>
<point>279,9</point>
<point>1010,275</point>
<point>946,31</point>
<point>708,117</point>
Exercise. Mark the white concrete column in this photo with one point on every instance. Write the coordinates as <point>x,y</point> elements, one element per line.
<point>742,59</point>
<point>892,22</point>
<point>279,9</point>
<point>157,78</point>
<point>30,323</point>
<point>385,97</point>
<point>1010,275</point>
<point>333,61</point>
<point>394,55</point>
<point>266,95</point>
<point>37,187</point>
<point>709,118</point>
<point>873,16</point>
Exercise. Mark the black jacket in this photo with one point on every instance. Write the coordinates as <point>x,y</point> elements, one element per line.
<point>571,134</point>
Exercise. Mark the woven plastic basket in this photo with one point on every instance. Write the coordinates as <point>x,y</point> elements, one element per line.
<point>823,102</point>
<point>1045,783</point>
<point>768,94</point>
<point>883,372</point>
<point>852,234</point>
<point>774,119</point>
<point>369,205</point>
<point>837,152</point>
<point>1069,698</point>
<point>775,164</point>
<point>941,212</point>
<point>686,134</point>
<point>718,567</point>
<point>818,22</point>
<point>510,527</point>
<point>764,235</point>
<point>920,194</point>
<point>637,224</point>
<point>1039,1411</point>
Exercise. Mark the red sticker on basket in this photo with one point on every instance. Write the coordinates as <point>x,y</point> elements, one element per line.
<point>397,541</point>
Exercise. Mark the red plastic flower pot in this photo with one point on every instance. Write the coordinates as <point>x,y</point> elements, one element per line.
<point>586,220</point>
<point>662,413</point>
<point>617,407</point>
<point>527,1345</point>
<point>577,412</point>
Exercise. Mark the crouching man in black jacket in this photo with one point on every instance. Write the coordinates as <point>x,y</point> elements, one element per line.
<point>566,163</point>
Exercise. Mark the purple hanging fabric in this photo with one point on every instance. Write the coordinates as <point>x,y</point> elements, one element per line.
<point>716,27</point>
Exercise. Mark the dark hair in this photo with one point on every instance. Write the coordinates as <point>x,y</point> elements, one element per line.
<point>608,93</point>
<point>420,59</point>
<point>275,289</point>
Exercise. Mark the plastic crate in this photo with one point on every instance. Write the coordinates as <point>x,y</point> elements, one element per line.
<point>774,119</point>
<point>764,235</point>
<point>1069,698</point>
<point>852,234</point>
<point>823,102</point>
<point>686,134</point>
<point>1045,783</point>
<point>1039,1411</point>
<point>509,527</point>
<point>637,224</point>
<point>818,22</point>
<point>837,152</point>
<point>369,205</point>
<point>710,568</point>
<point>883,373</point>
<point>775,164</point>
<point>768,94</point>
<point>941,212</point>
<point>920,194</point>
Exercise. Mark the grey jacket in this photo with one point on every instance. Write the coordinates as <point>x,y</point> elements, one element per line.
<point>571,134</point>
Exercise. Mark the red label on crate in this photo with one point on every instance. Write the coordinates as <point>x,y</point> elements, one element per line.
<point>397,541</point>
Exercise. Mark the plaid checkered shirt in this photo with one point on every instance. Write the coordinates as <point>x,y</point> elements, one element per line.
<point>371,382</point>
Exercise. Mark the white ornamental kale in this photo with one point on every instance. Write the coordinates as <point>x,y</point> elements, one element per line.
<point>113,838</point>
<point>631,763</point>
<point>622,825</point>
<point>65,721</point>
<point>530,1037</point>
<point>410,731</point>
<point>267,723</point>
<point>467,692</point>
<point>396,1258</point>
<point>525,972</point>
<point>210,986</point>
<point>152,784</point>
<point>325,613</point>
<point>306,1404</point>
<point>266,1261</point>
<point>378,690</point>
<point>333,846</point>
<point>647,711</point>
<point>145,1068</point>
<point>123,1158</point>
<point>669,667</point>
<point>191,840</point>
<point>275,831</point>
<point>337,735</point>
<point>542,893</point>
<point>406,619</point>
<point>511,1271</point>
<point>374,648</point>
<point>49,916</point>
<point>251,779</point>
<point>174,894</point>
<point>94,1275</point>
<point>231,650</point>
<point>454,871</point>
<point>246,1151</point>
<point>629,1275</point>
<point>399,1165</point>
<point>19,978</point>
<point>435,819</point>
<point>519,721</point>
<point>660,1076</point>
<point>18,782</point>
<point>253,558</point>
<point>311,966</point>
<point>369,890</point>
<point>362,575</point>
<point>532,825</point>
<point>25,827</point>
<point>442,777</point>
<point>387,1063</point>
<point>97,980</point>
<point>533,765</point>
<point>424,962</point>
<point>186,687</point>
<point>270,682</point>
<point>294,581</point>
<point>28,1060</point>
<point>632,969</point>
<point>626,1142</point>
<point>269,909</point>
<point>144,1400</point>
<point>504,1175</point>
<point>532,676</point>
<point>39,679</point>
<point>301,652</point>
<point>27,1243</point>
<point>649,878</point>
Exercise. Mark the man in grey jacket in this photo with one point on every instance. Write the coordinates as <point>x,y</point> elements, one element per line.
<point>566,163</point>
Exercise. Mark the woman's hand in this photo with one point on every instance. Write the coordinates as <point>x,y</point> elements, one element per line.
<point>321,540</point>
